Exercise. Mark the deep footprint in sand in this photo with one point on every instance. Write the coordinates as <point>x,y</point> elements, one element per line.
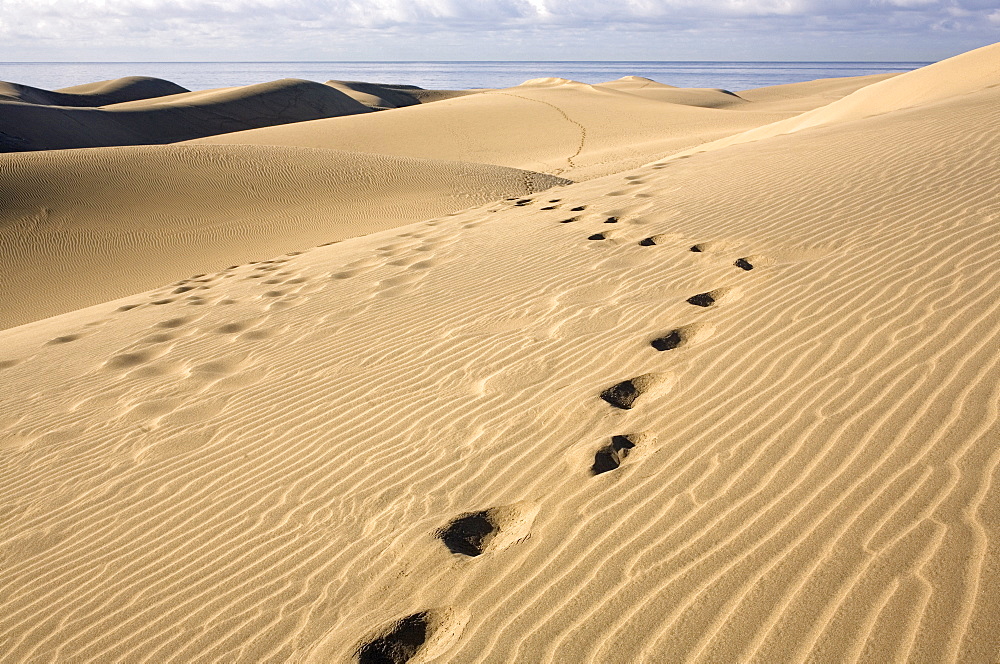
<point>424,634</point>
<point>611,456</point>
<point>625,394</point>
<point>475,533</point>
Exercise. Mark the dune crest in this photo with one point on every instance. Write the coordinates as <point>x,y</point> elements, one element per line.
<point>553,126</point>
<point>170,118</point>
<point>115,91</point>
<point>963,74</point>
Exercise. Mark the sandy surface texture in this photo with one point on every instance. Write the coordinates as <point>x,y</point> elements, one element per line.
<point>739,405</point>
<point>557,126</point>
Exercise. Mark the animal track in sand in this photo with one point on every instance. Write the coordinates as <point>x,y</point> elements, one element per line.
<point>625,394</point>
<point>743,264</point>
<point>475,533</point>
<point>424,634</point>
<point>599,236</point>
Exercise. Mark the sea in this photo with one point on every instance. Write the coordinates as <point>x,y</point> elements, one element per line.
<point>734,76</point>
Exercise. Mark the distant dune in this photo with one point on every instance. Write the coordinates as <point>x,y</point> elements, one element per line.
<point>739,403</point>
<point>553,125</point>
<point>115,91</point>
<point>382,97</point>
<point>169,118</point>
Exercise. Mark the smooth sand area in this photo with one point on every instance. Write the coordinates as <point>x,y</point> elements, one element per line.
<point>738,405</point>
<point>88,226</point>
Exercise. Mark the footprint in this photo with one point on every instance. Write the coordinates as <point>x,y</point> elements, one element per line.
<point>570,220</point>
<point>475,533</point>
<point>662,238</point>
<point>743,264</point>
<point>130,360</point>
<point>625,394</point>
<point>599,236</point>
<point>611,220</point>
<point>702,299</point>
<point>682,336</point>
<point>714,246</point>
<point>65,339</point>
<point>611,456</point>
<point>548,207</point>
<point>579,208</point>
<point>668,342</point>
<point>424,634</point>
<point>712,297</point>
<point>522,202</point>
<point>128,307</point>
<point>172,323</point>
<point>7,364</point>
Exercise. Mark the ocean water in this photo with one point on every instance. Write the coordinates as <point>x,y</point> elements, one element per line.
<point>733,76</point>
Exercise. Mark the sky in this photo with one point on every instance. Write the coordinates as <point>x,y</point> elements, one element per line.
<point>275,30</point>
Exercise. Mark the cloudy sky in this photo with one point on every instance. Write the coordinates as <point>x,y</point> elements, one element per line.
<point>257,30</point>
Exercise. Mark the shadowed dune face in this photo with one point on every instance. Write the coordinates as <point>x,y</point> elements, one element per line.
<point>170,118</point>
<point>130,88</point>
<point>383,97</point>
<point>756,422</point>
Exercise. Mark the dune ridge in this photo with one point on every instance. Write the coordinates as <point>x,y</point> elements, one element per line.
<point>129,88</point>
<point>963,74</point>
<point>170,118</point>
<point>740,406</point>
<point>552,125</point>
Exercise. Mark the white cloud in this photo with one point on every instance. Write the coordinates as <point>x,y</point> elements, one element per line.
<point>275,29</point>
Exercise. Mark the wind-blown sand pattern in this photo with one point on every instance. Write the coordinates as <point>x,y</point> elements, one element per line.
<point>395,447</point>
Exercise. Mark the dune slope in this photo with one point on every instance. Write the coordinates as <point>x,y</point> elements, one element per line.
<point>171,118</point>
<point>738,407</point>
<point>129,88</point>
<point>964,74</point>
<point>86,226</point>
<point>548,125</point>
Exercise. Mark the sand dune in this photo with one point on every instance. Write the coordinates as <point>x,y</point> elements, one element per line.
<point>734,407</point>
<point>382,97</point>
<point>114,91</point>
<point>87,226</point>
<point>171,118</point>
<point>962,75</point>
<point>550,125</point>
